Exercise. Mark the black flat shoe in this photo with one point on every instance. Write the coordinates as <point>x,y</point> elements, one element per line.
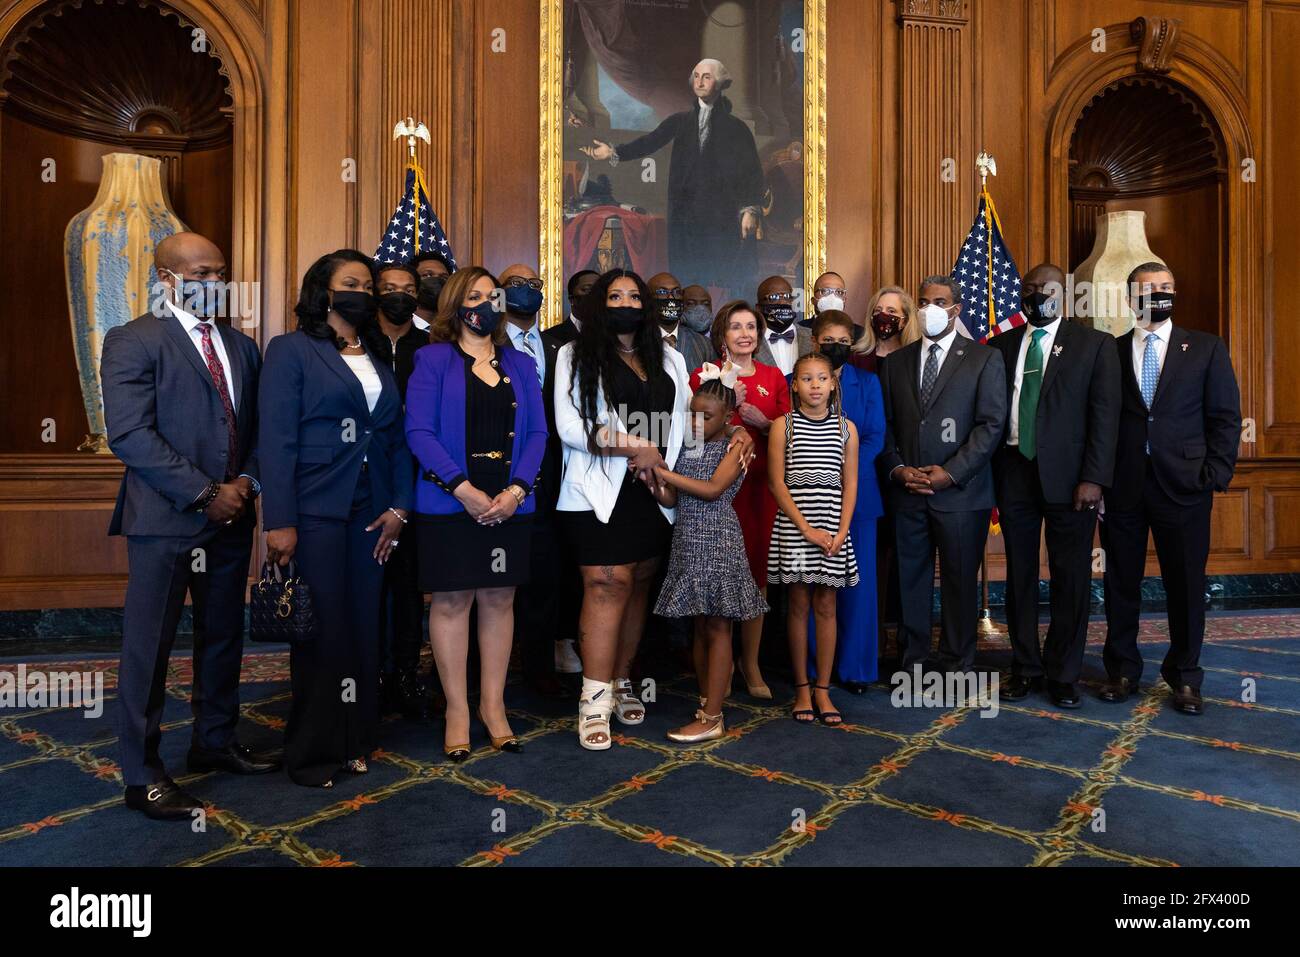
<point>234,758</point>
<point>162,801</point>
<point>1064,695</point>
<point>804,715</point>
<point>1116,691</point>
<point>1018,687</point>
<point>829,718</point>
<point>1188,700</point>
<point>854,687</point>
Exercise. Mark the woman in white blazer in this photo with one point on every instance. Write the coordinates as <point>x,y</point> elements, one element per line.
<point>622,406</point>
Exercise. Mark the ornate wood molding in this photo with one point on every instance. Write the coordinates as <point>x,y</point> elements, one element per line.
<point>950,10</point>
<point>1156,38</point>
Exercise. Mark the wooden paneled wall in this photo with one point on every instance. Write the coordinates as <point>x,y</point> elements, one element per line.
<point>910,83</point>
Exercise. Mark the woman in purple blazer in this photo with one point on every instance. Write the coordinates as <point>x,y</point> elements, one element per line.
<point>476,423</point>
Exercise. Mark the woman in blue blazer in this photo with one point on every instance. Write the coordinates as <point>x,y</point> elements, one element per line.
<point>476,423</point>
<point>862,403</point>
<point>336,486</point>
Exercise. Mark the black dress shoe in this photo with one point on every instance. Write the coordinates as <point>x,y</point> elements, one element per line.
<point>409,697</point>
<point>163,801</point>
<point>1063,695</point>
<point>1188,700</point>
<point>1018,687</point>
<point>1116,690</point>
<point>234,758</point>
<point>854,687</point>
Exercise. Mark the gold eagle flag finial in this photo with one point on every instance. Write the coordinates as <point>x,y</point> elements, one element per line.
<point>412,131</point>
<point>986,164</point>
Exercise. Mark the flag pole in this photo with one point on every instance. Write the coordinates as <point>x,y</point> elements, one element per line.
<point>986,164</point>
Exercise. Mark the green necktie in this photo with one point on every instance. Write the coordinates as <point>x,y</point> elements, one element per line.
<point>1031,384</point>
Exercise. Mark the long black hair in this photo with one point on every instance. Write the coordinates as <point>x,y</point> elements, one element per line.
<point>596,348</point>
<point>313,306</point>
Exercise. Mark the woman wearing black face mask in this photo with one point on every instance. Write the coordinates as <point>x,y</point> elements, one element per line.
<point>476,423</point>
<point>621,408</point>
<point>861,402</point>
<point>890,325</point>
<point>336,488</point>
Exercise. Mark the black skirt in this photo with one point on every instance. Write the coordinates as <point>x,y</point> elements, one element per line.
<point>459,554</point>
<point>636,530</point>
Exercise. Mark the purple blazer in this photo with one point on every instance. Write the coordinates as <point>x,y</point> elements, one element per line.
<point>436,422</point>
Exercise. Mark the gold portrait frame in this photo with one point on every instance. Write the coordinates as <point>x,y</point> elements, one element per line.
<point>550,168</point>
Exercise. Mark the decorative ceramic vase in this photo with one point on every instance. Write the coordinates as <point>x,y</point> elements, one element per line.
<point>108,248</point>
<point>1121,244</point>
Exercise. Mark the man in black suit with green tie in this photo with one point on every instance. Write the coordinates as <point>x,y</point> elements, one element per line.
<point>1057,454</point>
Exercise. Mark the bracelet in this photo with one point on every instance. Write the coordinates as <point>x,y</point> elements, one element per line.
<point>518,493</point>
<point>209,493</point>
<point>404,521</point>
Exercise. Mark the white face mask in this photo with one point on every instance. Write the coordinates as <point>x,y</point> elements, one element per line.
<point>830,301</point>
<point>936,320</point>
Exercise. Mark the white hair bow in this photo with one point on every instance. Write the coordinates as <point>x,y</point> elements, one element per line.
<point>727,373</point>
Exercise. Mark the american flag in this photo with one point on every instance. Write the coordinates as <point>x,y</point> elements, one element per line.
<point>989,280</point>
<point>414,228</point>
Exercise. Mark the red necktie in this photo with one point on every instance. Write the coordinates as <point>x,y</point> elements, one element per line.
<point>219,380</point>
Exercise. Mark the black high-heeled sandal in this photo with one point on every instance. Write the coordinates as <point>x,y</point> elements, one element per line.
<point>799,714</point>
<point>828,718</point>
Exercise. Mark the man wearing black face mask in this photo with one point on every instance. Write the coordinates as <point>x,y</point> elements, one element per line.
<point>1057,454</point>
<point>784,342</point>
<point>666,297</point>
<point>433,272</point>
<point>1180,425</point>
<point>402,608</point>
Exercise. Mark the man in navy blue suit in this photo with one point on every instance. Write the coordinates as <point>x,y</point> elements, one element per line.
<point>1179,428</point>
<point>180,401</point>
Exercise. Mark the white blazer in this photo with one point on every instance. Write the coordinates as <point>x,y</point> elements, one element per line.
<point>591,482</point>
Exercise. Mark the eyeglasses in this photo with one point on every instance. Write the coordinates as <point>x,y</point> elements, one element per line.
<point>662,291</point>
<point>516,282</point>
<point>778,297</point>
<point>826,291</point>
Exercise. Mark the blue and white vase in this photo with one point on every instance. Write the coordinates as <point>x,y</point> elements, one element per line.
<point>108,248</point>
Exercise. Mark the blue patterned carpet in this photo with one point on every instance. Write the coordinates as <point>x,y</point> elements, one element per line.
<point>892,786</point>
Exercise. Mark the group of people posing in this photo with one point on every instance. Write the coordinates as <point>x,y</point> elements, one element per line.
<point>420,434</point>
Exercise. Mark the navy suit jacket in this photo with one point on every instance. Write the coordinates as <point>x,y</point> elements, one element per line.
<point>316,430</point>
<point>1193,425</point>
<point>437,418</point>
<point>166,421</point>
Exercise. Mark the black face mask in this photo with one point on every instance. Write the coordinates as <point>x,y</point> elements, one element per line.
<point>1040,309</point>
<point>624,319</point>
<point>837,352</point>
<point>356,308</point>
<point>778,317</point>
<point>398,307</point>
<point>668,310</point>
<point>1159,306</point>
<point>430,288</point>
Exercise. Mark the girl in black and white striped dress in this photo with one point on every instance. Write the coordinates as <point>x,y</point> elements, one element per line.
<point>813,472</point>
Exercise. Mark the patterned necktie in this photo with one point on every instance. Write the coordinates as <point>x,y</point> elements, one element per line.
<point>787,336</point>
<point>930,374</point>
<point>671,339</point>
<point>219,380</point>
<point>1150,370</point>
<point>1031,384</point>
<point>529,348</point>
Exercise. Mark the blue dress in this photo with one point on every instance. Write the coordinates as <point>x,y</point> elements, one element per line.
<point>855,607</point>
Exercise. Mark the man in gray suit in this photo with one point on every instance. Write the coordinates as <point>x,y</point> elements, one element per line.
<point>945,407</point>
<point>180,400</point>
<point>666,297</point>
<point>782,342</point>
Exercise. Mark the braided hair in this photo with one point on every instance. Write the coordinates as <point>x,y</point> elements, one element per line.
<point>833,403</point>
<point>719,391</point>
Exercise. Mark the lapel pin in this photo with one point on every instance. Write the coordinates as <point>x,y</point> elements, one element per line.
<point>762,391</point>
<point>1184,347</point>
<point>961,352</point>
<point>1057,350</point>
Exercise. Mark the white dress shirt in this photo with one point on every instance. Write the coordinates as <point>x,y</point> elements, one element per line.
<point>945,346</point>
<point>577,323</point>
<point>784,353</point>
<point>191,324</point>
<point>1161,345</point>
<point>366,374</point>
<point>705,110</point>
<point>1045,344</point>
